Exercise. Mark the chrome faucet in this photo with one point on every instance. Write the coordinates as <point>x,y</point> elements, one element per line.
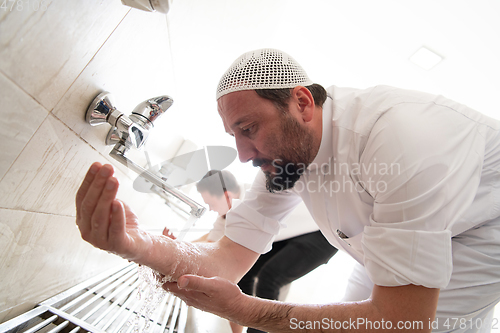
<point>133,131</point>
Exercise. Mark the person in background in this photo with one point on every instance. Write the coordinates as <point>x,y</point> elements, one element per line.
<point>296,251</point>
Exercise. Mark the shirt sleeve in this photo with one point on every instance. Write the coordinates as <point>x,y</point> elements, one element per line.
<point>256,221</point>
<point>422,165</point>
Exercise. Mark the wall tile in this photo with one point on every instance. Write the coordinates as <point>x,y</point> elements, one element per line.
<point>45,50</point>
<point>21,116</point>
<point>45,155</point>
<point>37,247</point>
<point>47,174</point>
<point>134,65</point>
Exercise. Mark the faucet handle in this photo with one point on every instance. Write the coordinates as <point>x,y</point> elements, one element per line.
<point>151,109</point>
<point>100,109</point>
<point>134,129</point>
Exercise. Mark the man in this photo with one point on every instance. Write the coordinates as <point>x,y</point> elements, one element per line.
<point>297,250</point>
<point>405,182</point>
<point>218,190</point>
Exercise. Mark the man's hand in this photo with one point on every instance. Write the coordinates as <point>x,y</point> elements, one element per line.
<point>216,295</point>
<point>106,222</point>
<point>168,233</point>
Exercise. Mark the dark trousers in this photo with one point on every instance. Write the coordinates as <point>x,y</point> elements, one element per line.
<point>288,260</point>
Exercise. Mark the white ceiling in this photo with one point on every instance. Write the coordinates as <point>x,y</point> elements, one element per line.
<point>356,43</point>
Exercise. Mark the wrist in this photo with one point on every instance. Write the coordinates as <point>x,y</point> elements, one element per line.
<point>256,312</point>
<point>151,251</point>
<point>170,257</point>
<point>160,250</point>
<point>242,310</point>
<point>136,247</point>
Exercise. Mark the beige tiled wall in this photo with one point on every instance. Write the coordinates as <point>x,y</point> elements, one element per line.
<point>53,61</point>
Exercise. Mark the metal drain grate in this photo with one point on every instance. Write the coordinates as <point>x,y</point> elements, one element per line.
<point>106,303</point>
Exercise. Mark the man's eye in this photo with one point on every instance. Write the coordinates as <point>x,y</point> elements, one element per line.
<point>247,129</point>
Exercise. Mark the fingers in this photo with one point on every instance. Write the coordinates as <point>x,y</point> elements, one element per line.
<point>171,287</point>
<point>183,282</point>
<point>80,196</point>
<point>168,233</point>
<point>197,283</point>
<point>118,221</point>
<point>101,217</point>
<point>216,294</point>
<point>94,199</point>
<point>187,283</point>
<point>96,187</point>
<point>187,294</point>
<point>84,187</point>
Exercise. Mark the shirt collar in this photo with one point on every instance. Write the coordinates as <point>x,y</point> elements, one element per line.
<point>325,151</point>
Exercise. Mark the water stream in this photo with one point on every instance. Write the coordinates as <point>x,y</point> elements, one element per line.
<point>150,292</point>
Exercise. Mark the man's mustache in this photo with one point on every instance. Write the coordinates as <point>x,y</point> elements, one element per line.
<point>260,161</point>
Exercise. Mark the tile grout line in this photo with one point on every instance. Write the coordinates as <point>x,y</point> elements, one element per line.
<point>50,112</point>
<point>22,150</point>
<point>32,135</point>
<point>35,212</point>
<point>88,63</point>
<point>62,96</point>
<point>54,116</point>
<point>22,89</point>
<point>86,142</point>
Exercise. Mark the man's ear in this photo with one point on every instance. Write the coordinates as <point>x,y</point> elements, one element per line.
<point>305,101</point>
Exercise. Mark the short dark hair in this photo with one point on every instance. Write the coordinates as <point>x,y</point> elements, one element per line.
<point>216,182</point>
<point>280,96</point>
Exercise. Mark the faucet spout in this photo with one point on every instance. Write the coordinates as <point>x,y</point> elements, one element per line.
<point>133,130</point>
<point>119,153</point>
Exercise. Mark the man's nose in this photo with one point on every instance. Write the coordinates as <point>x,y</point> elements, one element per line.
<point>246,150</point>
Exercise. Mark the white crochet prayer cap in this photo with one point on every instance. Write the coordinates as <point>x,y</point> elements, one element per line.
<point>262,69</point>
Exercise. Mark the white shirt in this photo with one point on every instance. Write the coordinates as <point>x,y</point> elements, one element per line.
<point>397,175</point>
<point>299,222</point>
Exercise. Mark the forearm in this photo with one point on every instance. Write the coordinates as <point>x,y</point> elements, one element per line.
<point>174,258</point>
<point>110,225</point>
<point>405,308</point>
<point>277,317</point>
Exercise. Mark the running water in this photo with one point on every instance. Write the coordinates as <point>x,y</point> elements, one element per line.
<point>150,292</point>
<point>187,226</point>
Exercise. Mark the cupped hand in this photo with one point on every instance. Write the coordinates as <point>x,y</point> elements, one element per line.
<point>106,222</point>
<point>216,295</point>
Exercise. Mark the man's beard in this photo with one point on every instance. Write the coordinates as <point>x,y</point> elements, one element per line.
<point>294,147</point>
